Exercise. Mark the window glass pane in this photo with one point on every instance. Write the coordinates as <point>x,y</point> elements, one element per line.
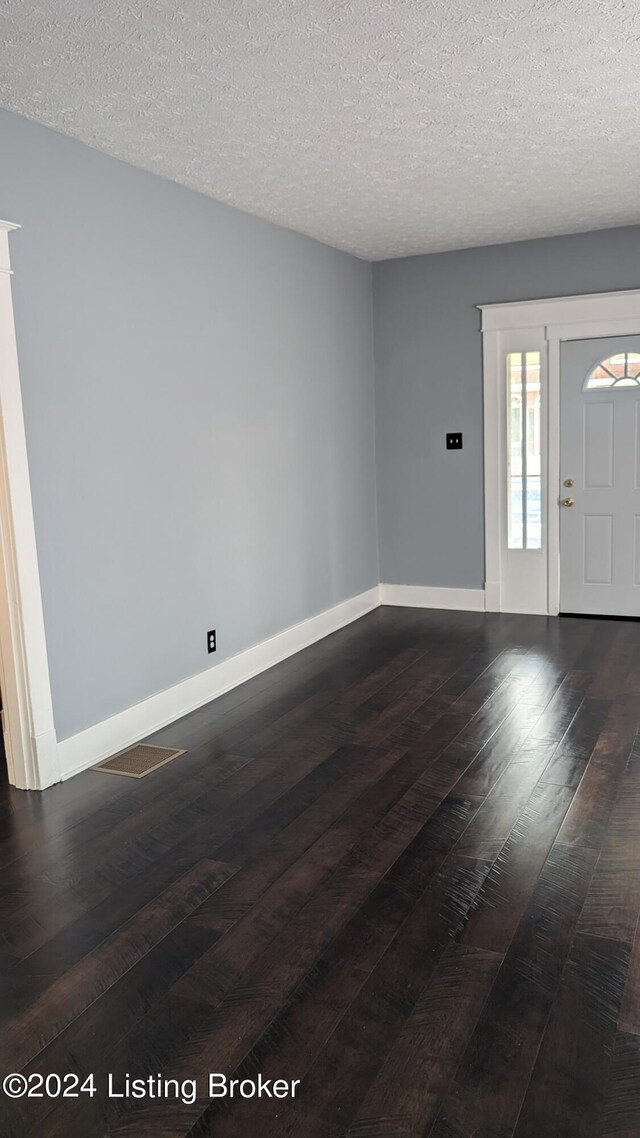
<point>523,450</point>
<point>622,370</point>
<point>514,448</point>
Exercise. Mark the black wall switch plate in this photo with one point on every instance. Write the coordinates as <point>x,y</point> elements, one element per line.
<point>454,440</point>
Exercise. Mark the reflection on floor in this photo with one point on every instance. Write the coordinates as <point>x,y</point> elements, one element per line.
<point>402,867</point>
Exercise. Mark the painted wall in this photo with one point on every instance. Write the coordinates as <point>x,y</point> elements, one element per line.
<point>198,394</point>
<point>428,356</point>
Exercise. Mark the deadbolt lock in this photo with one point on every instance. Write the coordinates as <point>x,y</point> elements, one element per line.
<point>568,482</point>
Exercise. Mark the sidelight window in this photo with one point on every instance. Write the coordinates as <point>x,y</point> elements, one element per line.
<point>524,490</point>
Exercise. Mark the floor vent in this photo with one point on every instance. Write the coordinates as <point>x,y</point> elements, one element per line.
<point>138,761</point>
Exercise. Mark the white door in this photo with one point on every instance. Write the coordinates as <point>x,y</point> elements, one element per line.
<point>600,476</point>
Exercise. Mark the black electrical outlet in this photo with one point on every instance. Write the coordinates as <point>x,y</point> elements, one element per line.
<point>211,640</point>
<point>454,440</point>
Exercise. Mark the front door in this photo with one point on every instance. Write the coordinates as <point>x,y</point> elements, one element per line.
<point>600,476</point>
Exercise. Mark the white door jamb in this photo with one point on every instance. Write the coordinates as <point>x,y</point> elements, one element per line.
<point>30,738</point>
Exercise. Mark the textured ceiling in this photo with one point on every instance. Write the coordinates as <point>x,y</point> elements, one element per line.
<point>384,127</point>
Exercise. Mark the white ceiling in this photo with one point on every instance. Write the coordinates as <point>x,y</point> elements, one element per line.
<point>384,127</point>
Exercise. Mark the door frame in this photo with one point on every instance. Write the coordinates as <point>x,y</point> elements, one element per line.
<point>29,731</point>
<point>547,323</point>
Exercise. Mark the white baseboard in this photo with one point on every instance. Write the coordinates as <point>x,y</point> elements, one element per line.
<point>427,597</point>
<point>128,727</point>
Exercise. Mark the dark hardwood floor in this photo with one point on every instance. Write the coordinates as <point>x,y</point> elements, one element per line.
<point>402,867</point>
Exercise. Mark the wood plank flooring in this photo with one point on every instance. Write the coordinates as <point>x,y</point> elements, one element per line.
<point>402,867</point>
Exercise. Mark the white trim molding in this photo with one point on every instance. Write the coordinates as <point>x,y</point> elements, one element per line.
<point>30,738</point>
<point>529,580</point>
<point>588,308</point>
<point>430,597</point>
<point>135,723</point>
<point>122,730</point>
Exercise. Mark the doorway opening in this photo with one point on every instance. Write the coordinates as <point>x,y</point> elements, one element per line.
<point>562,455</point>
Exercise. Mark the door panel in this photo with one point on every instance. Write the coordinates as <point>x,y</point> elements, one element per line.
<point>637,447</point>
<point>600,457</point>
<point>598,446</point>
<point>598,549</point>
<point>636,575</point>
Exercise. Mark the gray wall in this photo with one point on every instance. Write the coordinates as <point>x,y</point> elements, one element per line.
<point>428,357</point>
<point>200,417</point>
<point>198,393</point>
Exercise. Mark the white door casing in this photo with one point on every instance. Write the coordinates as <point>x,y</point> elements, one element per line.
<point>529,580</point>
<point>32,753</point>
<point>600,523</point>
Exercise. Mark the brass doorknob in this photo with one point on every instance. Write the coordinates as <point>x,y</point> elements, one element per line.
<point>567,501</point>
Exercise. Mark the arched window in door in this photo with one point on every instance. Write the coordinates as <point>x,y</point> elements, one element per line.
<point>622,370</point>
